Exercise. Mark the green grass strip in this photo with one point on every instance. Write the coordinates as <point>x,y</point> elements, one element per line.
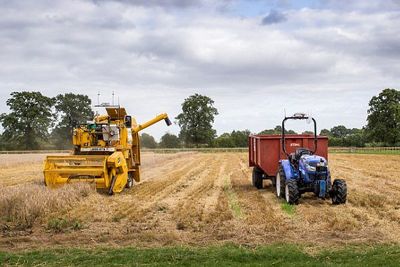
<point>229,255</point>
<point>232,198</point>
<point>288,209</point>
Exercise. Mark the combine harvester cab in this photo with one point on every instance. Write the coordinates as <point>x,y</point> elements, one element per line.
<point>106,152</point>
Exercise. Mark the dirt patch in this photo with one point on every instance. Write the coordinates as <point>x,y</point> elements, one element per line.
<point>207,198</point>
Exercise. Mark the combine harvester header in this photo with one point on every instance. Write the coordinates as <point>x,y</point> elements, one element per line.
<point>106,152</point>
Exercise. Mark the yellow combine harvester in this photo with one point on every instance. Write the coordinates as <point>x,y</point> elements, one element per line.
<point>106,151</point>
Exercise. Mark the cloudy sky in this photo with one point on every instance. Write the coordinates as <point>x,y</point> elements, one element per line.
<point>255,58</point>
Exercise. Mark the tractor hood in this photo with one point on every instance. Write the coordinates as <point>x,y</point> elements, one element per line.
<point>310,162</point>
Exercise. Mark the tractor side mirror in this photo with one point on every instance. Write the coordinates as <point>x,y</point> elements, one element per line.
<point>167,121</point>
<point>128,121</point>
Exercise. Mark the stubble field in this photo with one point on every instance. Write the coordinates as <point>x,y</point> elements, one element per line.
<point>197,199</point>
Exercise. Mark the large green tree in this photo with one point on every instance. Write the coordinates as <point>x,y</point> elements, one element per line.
<point>196,119</point>
<point>71,109</point>
<point>170,141</point>
<point>384,117</point>
<point>28,122</point>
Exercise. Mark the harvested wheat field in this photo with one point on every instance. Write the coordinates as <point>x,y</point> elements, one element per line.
<point>196,199</point>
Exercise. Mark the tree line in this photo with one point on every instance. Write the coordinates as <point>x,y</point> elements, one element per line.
<point>36,121</point>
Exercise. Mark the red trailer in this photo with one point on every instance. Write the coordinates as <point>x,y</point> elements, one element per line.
<point>265,151</point>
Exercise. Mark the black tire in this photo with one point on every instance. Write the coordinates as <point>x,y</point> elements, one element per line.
<point>292,194</point>
<point>257,179</point>
<point>110,190</point>
<point>129,183</point>
<point>339,192</point>
<point>280,183</point>
<point>273,181</point>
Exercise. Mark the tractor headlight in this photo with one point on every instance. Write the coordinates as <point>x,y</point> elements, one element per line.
<point>310,168</point>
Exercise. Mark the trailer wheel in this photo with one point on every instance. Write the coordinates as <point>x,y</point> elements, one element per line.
<point>257,179</point>
<point>292,194</point>
<point>273,181</point>
<point>280,182</point>
<point>129,183</point>
<point>339,192</point>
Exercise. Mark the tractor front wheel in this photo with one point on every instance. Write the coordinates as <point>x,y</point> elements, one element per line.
<point>257,179</point>
<point>292,194</point>
<point>280,183</point>
<point>339,192</point>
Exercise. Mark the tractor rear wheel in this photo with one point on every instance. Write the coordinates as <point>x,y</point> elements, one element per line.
<point>292,194</point>
<point>339,192</point>
<point>257,179</point>
<point>280,182</point>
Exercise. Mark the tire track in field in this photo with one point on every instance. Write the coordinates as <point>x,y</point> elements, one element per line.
<point>372,189</point>
<point>200,211</point>
<point>265,200</point>
<point>202,193</point>
<point>153,191</point>
<point>193,208</point>
<point>186,200</point>
<point>134,202</point>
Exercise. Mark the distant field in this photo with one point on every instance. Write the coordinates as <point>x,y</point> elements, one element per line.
<point>198,199</point>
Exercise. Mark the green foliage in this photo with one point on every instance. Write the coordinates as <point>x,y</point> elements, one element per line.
<point>342,136</point>
<point>384,117</point>
<point>277,130</point>
<point>147,141</point>
<point>3,143</point>
<point>170,141</point>
<point>339,131</point>
<point>196,120</point>
<point>71,110</point>
<point>224,140</point>
<point>325,132</point>
<point>227,255</point>
<point>29,120</point>
<point>233,139</point>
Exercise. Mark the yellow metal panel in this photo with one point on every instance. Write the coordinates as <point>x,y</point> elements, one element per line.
<point>116,113</point>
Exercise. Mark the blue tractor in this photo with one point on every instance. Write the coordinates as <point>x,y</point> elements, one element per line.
<point>304,171</point>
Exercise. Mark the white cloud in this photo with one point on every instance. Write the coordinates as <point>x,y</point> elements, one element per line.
<point>329,61</point>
